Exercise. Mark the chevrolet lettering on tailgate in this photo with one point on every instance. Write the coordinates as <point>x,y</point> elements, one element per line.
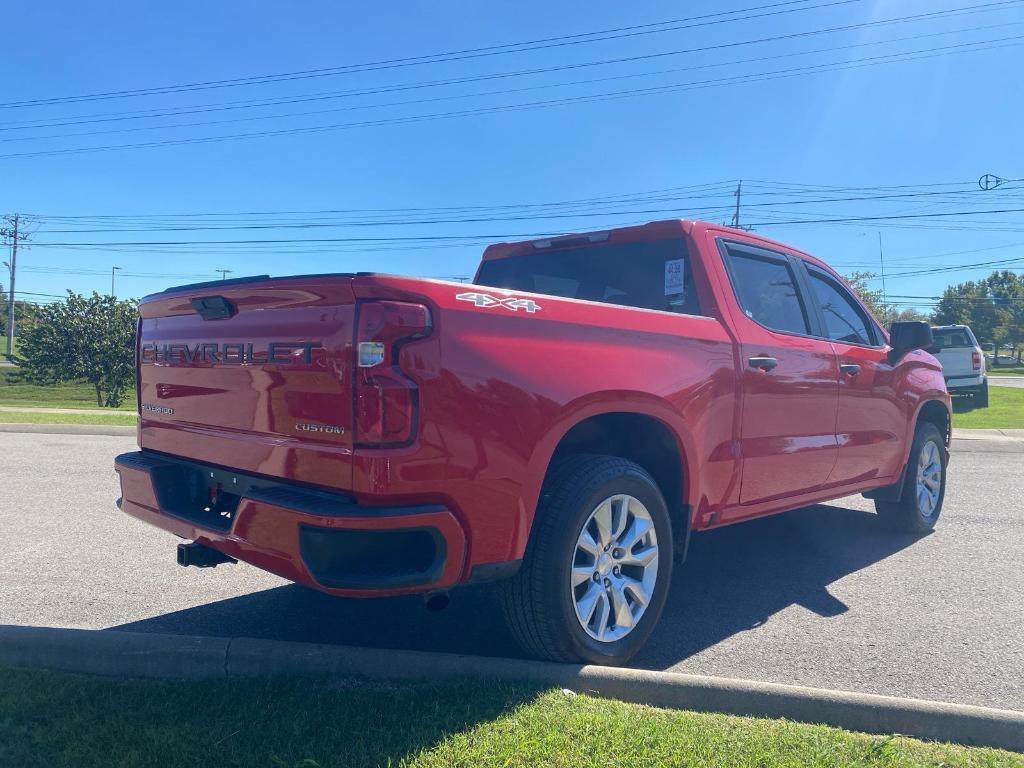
<point>236,352</point>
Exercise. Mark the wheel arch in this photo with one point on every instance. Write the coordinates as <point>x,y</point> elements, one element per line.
<point>932,410</point>
<point>646,431</point>
<point>938,413</point>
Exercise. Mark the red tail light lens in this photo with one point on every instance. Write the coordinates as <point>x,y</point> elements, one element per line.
<point>386,399</point>
<point>976,360</point>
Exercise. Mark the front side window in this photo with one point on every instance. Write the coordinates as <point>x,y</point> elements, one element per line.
<point>844,319</point>
<point>766,291</point>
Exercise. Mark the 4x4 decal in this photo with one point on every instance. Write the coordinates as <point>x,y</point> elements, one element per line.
<point>508,302</point>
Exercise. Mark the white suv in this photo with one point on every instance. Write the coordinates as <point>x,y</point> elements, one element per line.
<point>963,365</point>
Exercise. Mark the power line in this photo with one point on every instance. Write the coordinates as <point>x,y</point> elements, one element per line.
<point>265,102</point>
<point>630,196</point>
<point>527,106</point>
<point>47,295</point>
<point>543,104</point>
<point>726,191</point>
<point>885,218</point>
<point>937,270</point>
<point>493,236</point>
<point>994,299</point>
<point>124,273</point>
<point>494,219</point>
<point>673,25</point>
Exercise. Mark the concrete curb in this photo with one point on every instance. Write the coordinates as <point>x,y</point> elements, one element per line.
<point>996,435</point>
<point>119,430</point>
<point>79,411</point>
<point>111,652</point>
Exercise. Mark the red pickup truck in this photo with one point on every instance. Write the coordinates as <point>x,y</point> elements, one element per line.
<point>562,424</point>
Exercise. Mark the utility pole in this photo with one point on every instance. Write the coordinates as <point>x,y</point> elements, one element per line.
<point>224,273</point>
<point>736,194</point>
<point>881,260</point>
<point>112,271</point>
<point>15,237</point>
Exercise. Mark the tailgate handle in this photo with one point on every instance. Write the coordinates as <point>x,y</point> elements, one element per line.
<point>214,308</point>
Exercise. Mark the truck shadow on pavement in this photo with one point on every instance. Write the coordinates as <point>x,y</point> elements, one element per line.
<point>734,580</point>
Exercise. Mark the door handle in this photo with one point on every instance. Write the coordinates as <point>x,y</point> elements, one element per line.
<point>849,369</point>
<point>762,363</point>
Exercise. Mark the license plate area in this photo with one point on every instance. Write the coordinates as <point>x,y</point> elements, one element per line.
<point>207,497</point>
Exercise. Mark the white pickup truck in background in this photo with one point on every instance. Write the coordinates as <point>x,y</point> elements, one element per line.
<point>963,364</point>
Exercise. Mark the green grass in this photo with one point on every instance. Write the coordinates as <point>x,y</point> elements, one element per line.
<point>115,419</point>
<point>1005,410</point>
<point>54,719</point>
<point>17,392</point>
<point>1016,370</point>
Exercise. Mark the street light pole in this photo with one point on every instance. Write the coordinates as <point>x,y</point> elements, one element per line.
<point>113,270</point>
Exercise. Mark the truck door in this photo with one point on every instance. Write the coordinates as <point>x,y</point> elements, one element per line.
<point>790,387</point>
<point>872,421</point>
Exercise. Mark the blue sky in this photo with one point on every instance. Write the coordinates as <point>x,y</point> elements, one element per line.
<point>931,125</point>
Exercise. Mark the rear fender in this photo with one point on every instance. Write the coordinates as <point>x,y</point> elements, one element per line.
<point>597,404</point>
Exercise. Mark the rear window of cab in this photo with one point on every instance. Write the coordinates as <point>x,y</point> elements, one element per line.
<point>953,338</point>
<point>647,275</point>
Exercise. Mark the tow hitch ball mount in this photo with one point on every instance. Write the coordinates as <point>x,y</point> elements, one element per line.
<point>201,556</point>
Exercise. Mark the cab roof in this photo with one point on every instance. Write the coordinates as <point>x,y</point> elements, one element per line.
<point>654,230</point>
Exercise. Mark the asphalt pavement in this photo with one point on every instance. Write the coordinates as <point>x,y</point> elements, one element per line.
<point>823,596</point>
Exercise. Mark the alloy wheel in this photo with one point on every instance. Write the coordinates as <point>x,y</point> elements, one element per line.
<point>929,479</point>
<point>614,568</point>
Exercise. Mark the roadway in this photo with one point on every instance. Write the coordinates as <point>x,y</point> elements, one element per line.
<point>1006,381</point>
<point>822,596</point>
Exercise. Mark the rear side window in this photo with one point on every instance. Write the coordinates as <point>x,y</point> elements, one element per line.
<point>655,275</point>
<point>765,288</point>
<point>844,319</point>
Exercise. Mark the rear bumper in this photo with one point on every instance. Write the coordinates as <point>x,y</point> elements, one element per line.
<point>324,540</point>
<point>960,383</point>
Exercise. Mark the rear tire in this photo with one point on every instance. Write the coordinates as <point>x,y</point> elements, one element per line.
<point>924,484</point>
<point>980,396</point>
<point>566,604</point>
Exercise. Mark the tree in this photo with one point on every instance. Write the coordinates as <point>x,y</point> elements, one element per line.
<point>992,307</point>
<point>872,298</point>
<point>24,313</point>
<point>906,315</point>
<point>967,304</point>
<point>1007,292</point>
<point>83,337</point>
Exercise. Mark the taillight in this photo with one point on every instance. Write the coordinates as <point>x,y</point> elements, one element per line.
<point>976,360</point>
<point>137,362</point>
<point>386,400</point>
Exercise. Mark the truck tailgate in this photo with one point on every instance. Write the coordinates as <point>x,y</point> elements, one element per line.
<point>254,375</point>
<point>956,361</point>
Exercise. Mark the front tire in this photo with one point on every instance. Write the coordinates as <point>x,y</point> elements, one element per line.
<point>596,571</point>
<point>924,485</point>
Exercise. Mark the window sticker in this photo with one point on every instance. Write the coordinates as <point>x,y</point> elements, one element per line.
<point>674,271</point>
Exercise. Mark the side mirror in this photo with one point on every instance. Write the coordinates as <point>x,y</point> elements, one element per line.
<point>906,336</point>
